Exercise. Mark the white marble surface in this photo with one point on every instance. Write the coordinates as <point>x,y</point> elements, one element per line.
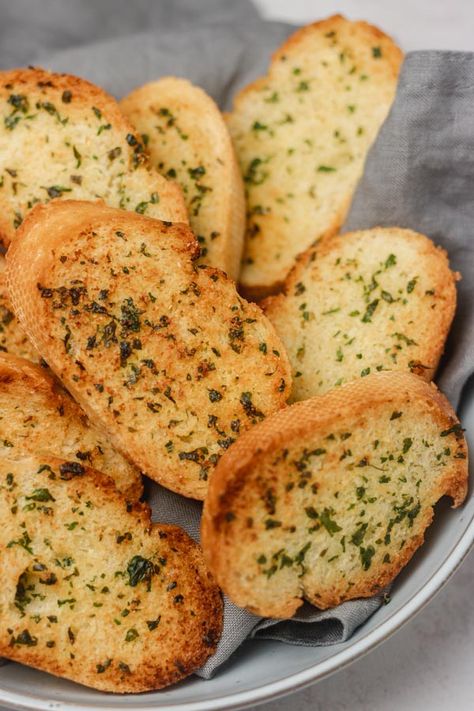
<point>428,664</point>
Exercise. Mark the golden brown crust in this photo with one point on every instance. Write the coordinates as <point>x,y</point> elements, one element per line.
<point>261,294</point>
<point>335,284</point>
<point>38,415</point>
<point>188,139</point>
<point>166,356</point>
<point>12,337</point>
<point>301,161</point>
<point>63,135</point>
<point>389,407</point>
<point>142,610</point>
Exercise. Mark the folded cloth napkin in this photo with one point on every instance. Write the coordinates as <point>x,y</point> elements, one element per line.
<point>419,174</point>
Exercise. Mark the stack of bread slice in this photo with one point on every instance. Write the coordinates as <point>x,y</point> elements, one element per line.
<point>92,590</point>
<point>128,349</point>
<point>164,354</point>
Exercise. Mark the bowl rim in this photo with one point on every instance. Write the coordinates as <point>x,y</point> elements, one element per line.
<point>296,681</point>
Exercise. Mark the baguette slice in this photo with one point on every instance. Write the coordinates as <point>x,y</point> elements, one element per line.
<point>62,136</point>
<point>362,302</point>
<point>188,141</point>
<point>166,356</point>
<point>37,415</point>
<point>330,498</point>
<point>302,134</point>
<point>93,591</point>
<point>13,339</point>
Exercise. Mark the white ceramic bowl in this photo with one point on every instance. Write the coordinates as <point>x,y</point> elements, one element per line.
<point>263,670</point>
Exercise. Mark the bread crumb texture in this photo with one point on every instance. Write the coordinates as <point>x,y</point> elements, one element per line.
<point>166,355</point>
<point>13,339</point>
<point>61,136</point>
<point>302,134</point>
<point>93,591</point>
<point>329,499</point>
<point>364,302</point>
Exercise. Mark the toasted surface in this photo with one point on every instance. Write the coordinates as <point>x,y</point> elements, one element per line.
<point>170,360</point>
<point>13,339</point>
<point>62,136</point>
<point>37,415</point>
<point>362,302</point>
<point>188,141</point>
<point>302,134</point>
<point>329,499</point>
<point>91,590</point>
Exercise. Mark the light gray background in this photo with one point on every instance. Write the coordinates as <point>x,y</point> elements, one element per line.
<point>429,663</point>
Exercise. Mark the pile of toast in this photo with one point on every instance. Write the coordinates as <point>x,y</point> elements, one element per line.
<point>140,236</point>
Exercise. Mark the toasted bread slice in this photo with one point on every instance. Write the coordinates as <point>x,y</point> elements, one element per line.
<point>37,415</point>
<point>13,339</point>
<point>167,356</point>
<point>329,499</point>
<point>302,134</point>
<point>62,136</point>
<point>362,302</point>
<point>93,591</point>
<point>188,141</point>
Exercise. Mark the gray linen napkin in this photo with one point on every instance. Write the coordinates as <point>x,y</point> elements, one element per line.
<point>419,174</point>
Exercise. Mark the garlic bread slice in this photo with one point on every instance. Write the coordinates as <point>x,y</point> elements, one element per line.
<point>188,141</point>
<point>327,500</point>
<point>363,302</point>
<point>302,134</point>
<point>163,354</point>
<point>92,591</point>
